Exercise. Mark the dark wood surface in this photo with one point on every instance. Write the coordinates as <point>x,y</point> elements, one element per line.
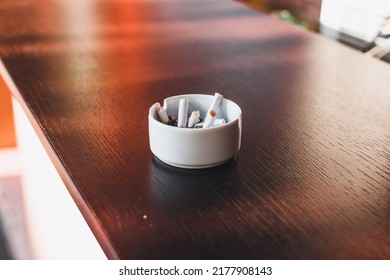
<point>312,179</point>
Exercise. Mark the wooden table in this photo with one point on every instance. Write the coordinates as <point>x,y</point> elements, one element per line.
<point>312,178</point>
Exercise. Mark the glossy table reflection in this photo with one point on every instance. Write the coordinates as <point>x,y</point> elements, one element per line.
<point>312,178</point>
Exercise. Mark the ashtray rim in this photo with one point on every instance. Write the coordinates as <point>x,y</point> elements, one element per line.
<point>167,142</point>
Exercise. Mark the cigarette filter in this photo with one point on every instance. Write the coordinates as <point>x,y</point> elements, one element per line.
<point>213,106</point>
<point>194,118</point>
<point>183,111</point>
<point>162,115</point>
<point>209,122</point>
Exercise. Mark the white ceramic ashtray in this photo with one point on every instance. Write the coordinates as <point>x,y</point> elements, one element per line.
<point>216,139</point>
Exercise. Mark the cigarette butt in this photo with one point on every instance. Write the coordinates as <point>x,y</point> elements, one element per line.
<point>194,118</point>
<point>213,106</point>
<point>219,122</point>
<point>209,122</point>
<point>183,111</point>
<point>153,110</point>
<point>199,125</point>
<point>162,115</point>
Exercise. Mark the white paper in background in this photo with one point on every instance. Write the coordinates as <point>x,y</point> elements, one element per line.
<point>362,19</point>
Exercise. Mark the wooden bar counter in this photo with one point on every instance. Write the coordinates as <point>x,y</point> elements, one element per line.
<point>312,178</point>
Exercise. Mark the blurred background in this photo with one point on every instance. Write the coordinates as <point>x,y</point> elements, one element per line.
<point>361,24</point>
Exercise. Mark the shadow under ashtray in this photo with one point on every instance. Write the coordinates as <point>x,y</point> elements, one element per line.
<point>193,189</point>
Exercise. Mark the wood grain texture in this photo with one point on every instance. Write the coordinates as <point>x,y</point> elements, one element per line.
<point>312,179</point>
